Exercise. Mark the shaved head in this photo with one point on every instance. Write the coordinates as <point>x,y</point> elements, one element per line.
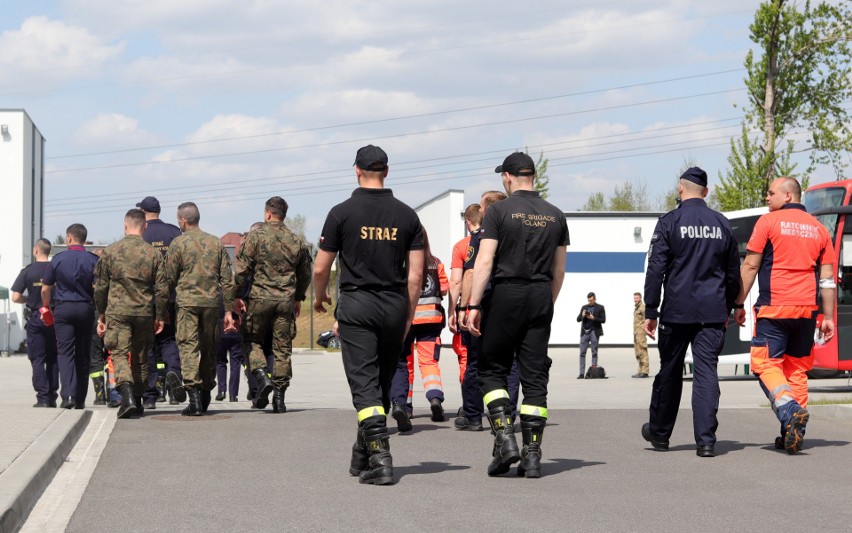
<point>790,185</point>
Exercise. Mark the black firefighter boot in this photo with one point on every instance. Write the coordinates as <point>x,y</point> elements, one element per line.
<point>531,452</point>
<point>264,387</point>
<point>98,384</point>
<point>205,400</point>
<point>193,407</point>
<point>127,407</point>
<point>278,400</point>
<point>506,449</point>
<point>380,464</point>
<point>360,457</point>
<point>139,407</point>
<point>161,388</point>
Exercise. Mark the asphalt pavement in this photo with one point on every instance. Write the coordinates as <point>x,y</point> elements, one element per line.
<point>239,469</point>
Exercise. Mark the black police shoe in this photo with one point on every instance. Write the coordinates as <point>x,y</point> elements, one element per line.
<point>233,399</point>
<point>705,450</point>
<point>639,375</point>
<point>656,442</point>
<point>220,397</point>
<point>39,404</point>
<point>175,386</point>
<point>150,404</point>
<point>403,421</point>
<point>581,376</point>
<point>68,403</point>
<point>437,410</point>
<point>464,423</point>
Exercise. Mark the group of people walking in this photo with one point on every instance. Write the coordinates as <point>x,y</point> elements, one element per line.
<point>162,284</point>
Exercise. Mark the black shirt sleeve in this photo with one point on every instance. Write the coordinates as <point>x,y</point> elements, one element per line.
<point>20,284</point>
<point>330,238</point>
<point>657,259</point>
<point>416,234</point>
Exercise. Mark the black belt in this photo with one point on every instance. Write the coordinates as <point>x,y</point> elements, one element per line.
<point>518,281</point>
<point>373,288</point>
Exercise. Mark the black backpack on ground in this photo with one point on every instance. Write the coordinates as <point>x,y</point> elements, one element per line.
<point>596,372</point>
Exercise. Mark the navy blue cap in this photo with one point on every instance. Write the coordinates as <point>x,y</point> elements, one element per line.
<point>371,158</point>
<point>695,175</point>
<point>149,204</point>
<point>517,164</point>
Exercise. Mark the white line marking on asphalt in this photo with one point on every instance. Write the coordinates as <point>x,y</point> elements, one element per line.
<point>59,501</point>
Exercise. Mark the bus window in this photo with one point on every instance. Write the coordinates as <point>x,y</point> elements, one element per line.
<point>742,229</point>
<point>821,199</point>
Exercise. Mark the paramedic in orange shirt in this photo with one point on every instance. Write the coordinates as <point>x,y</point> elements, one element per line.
<point>787,248</point>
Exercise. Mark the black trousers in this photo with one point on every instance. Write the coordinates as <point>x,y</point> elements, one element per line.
<point>372,326</point>
<point>517,319</point>
<point>73,323</point>
<point>707,341</point>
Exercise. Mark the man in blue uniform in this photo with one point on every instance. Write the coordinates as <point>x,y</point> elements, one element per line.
<point>380,241</point>
<point>522,253</point>
<point>160,234</point>
<point>693,255</point>
<point>69,282</point>
<point>41,341</point>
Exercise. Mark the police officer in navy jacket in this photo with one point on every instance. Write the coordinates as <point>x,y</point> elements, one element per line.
<point>693,255</point>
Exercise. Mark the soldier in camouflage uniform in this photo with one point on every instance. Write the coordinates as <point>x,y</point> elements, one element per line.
<point>277,263</point>
<point>130,284</point>
<point>198,269</point>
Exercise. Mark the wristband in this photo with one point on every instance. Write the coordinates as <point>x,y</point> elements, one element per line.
<point>461,308</point>
<point>474,307</point>
<point>738,306</point>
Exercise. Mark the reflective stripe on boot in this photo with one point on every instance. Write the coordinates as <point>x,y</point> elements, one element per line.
<point>505,450</point>
<point>532,431</point>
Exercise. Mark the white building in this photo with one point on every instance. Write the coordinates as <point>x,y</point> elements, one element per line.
<point>607,256</point>
<point>22,217</point>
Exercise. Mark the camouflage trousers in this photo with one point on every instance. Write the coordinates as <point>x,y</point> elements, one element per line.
<point>640,346</point>
<point>277,317</point>
<point>197,337</point>
<point>128,339</point>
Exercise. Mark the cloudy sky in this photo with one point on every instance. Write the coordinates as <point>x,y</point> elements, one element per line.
<point>226,103</point>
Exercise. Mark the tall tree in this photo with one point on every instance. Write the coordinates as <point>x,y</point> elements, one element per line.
<point>596,202</point>
<point>627,197</point>
<point>542,180</point>
<point>798,82</point>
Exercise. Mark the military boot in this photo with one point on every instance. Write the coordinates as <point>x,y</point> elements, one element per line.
<point>380,464</point>
<point>193,408</point>
<point>175,386</point>
<point>100,396</point>
<point>205,400</point>
<point>264,388</point>
<point>161,389</point>
<point>360,457</point>
<point>506,449</point>
<point>278,401</point>
<point>531,452</point>
<point>127,406</point>
<point>140,408</point>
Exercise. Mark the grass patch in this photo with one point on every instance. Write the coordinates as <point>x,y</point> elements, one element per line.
<point>831,401</point>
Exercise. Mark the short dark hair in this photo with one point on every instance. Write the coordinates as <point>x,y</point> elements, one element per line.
<point>189,212</point>
<point>277,207</point>
<point>43,246</point>
<point>135,218</point>
<point>639,294</point>
<point>78,231</point>
<point>590,295</point>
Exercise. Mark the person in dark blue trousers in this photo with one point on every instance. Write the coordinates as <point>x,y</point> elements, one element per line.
<point>41,340</point>
<point>229,350</point>
<point>69,281</point>
<point>693,256</point>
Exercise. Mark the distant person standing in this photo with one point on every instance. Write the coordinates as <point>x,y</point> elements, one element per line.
<point>41,339</point>
<point>522,253</point>
<point>69,284</point>
<point>592,317</point>
<point>640,340</point>
<point>160,235</point>
<point>694,256</point>
<point>199,271</point>
<point>380,241</point>
<point>131,295</point>
<point>786,249</point>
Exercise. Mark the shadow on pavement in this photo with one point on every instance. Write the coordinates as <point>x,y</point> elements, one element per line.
<point>428,467</point>
<point>416,429</point>
<point>558,466</point>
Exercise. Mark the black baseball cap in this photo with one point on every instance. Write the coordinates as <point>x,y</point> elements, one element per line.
<point>517,164</point>
<point>149,204</point>
<point>371,158</point>
<point>695,175</point>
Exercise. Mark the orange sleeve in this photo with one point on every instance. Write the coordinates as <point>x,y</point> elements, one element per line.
<point>759,237</point>
<point>442,278</point>
<point>458,254</point>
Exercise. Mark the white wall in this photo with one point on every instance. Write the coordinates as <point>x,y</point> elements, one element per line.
<point>442,216</point>
<point>21,178</point>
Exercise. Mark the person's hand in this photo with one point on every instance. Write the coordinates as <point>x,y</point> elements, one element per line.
<point>651,327</point>
<point>46,316</point>
<point>473,322</point>
<point>319,302</point>
<point>740,317</point>
<point>297,309</point>
<point>239,306</point>
<point>826,329</point>
<point>336,329</point>
<point>101,328</point>
<point>453,325</point>
<point>158,326</point>
<point>230,324</point>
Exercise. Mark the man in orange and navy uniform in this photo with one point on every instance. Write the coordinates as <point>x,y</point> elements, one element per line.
<point>787,248</point>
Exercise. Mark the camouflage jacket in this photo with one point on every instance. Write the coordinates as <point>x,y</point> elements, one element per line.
<point>130,279</point>
<point>277,261</point>
<point>199,270</point>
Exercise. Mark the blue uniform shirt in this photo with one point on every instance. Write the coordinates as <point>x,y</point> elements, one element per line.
<point>30,281</point>
<point>72,273</point>
<point>694,256</point>
<point>160,234</point>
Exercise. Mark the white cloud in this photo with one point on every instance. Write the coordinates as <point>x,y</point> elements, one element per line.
<point>110,131</point>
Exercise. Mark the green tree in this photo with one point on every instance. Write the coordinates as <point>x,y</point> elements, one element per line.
<point>798,81</point>
<point>542,180</point>
<point>669,199</point>
<point>59,240</point>
<point>596,202</point>
<point>296,224</point>
<point>628,196</point>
